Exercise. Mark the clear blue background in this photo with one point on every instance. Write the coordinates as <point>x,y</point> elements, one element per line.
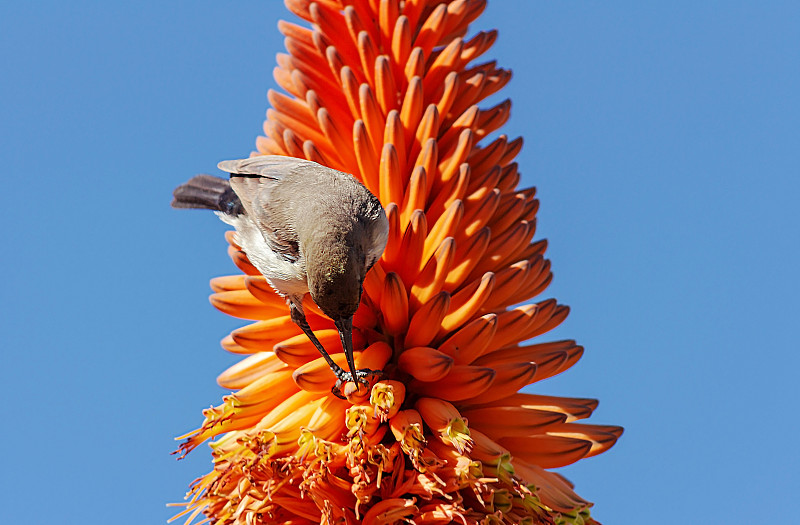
<point>663,138</point>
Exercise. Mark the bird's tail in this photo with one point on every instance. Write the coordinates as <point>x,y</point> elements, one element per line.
<point>207,192</point>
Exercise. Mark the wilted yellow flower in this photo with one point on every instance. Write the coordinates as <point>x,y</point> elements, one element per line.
<point>388,90</point>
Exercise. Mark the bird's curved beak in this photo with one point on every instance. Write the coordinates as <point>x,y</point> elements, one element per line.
<point>345,328</point>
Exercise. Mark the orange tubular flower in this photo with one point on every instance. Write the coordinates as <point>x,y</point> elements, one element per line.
<point>389,91</point>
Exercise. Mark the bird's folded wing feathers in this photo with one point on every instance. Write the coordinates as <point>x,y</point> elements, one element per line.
<point>254,181</point>
<point>270,166</point>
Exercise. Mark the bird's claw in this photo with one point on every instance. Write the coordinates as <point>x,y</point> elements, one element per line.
<point>343,377</point>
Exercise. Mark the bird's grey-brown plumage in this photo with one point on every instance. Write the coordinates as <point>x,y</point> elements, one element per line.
<point>305,227</point>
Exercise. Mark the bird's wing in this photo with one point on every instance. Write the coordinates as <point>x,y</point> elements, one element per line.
<point>270,166</point>
<point>254,181</point>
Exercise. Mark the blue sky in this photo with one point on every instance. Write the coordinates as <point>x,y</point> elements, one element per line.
<point>663,139</point>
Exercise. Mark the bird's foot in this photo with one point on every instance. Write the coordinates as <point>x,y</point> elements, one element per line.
<point>362,376</point>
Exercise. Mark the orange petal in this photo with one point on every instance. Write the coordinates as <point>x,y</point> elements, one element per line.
<point>492,119</point>
<point>415,65</point>
<point>415,195</point>
<point>428,159</point>
<point>230,238</point>
<point>511,421</point>
<point>425,363</point>
<point>449,93</point>
<point>469,342</point>
<point>242,262</point>
<point>462,382</point>
<point>290,30</point>
<point>367,54</point>
<point>447,60</point>
<point>314,154</point>
<point>461,14</point>
<point>478,212</point>
<point>485,158</point>
<point>512,150</point>
<point>509,178</point>
<point>431,30</point>
<point>536,283</point>
<point>395,237</point>
<point>467,120</point>
<point>411,108</point>
<point>468,254</point>
<point>547,451</point>
<point>259,287</point>
<point>349,82</point>
<point>249,370</point>
<point>242,304</point>
<point>230,345</point>
<point>509,378</point>
<point>372,116</point>
<point>430,280</point>
<point>503,246</point>
<point>450,191</point>
<point>227,283</point>
<point>374,283</point>
<point>525,322</point>
<point>262,335</point>
<point>300,8</point>
<point>357,17</point>
<point>603,437</point>
<point>394,304</point>
<point>411,249</point>
<point>375,356</point>
<point>508,212</point>
<point>507,285</point>
<point>572,408</point>
<point>385,87</point>
<point>391,189</point>
<point>427,129</point>
<point>466,302</point>
<point>294,144</point>
<point>365,157</point>
<point>426,321</point>
<point>539,273</point>
<point>330,21</point>
<point>444,227</point>
<point>486,449</point>
<point>478,45</point>
<point>533,249</point>
<point>537,353</point>
<point>339,139</point>
<point>394,134</point>
<point>270,389</point>
<point>401,42</point>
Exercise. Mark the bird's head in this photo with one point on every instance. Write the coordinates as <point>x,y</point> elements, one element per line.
<point>335,278</point>
<point>339,255</point>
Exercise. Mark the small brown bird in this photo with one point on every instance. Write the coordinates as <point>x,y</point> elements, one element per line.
<point>307,228</point>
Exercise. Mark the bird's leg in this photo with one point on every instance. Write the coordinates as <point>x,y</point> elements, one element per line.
<point>299,319</point>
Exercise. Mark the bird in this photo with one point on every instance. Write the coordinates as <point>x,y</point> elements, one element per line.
<point>307,229</point>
